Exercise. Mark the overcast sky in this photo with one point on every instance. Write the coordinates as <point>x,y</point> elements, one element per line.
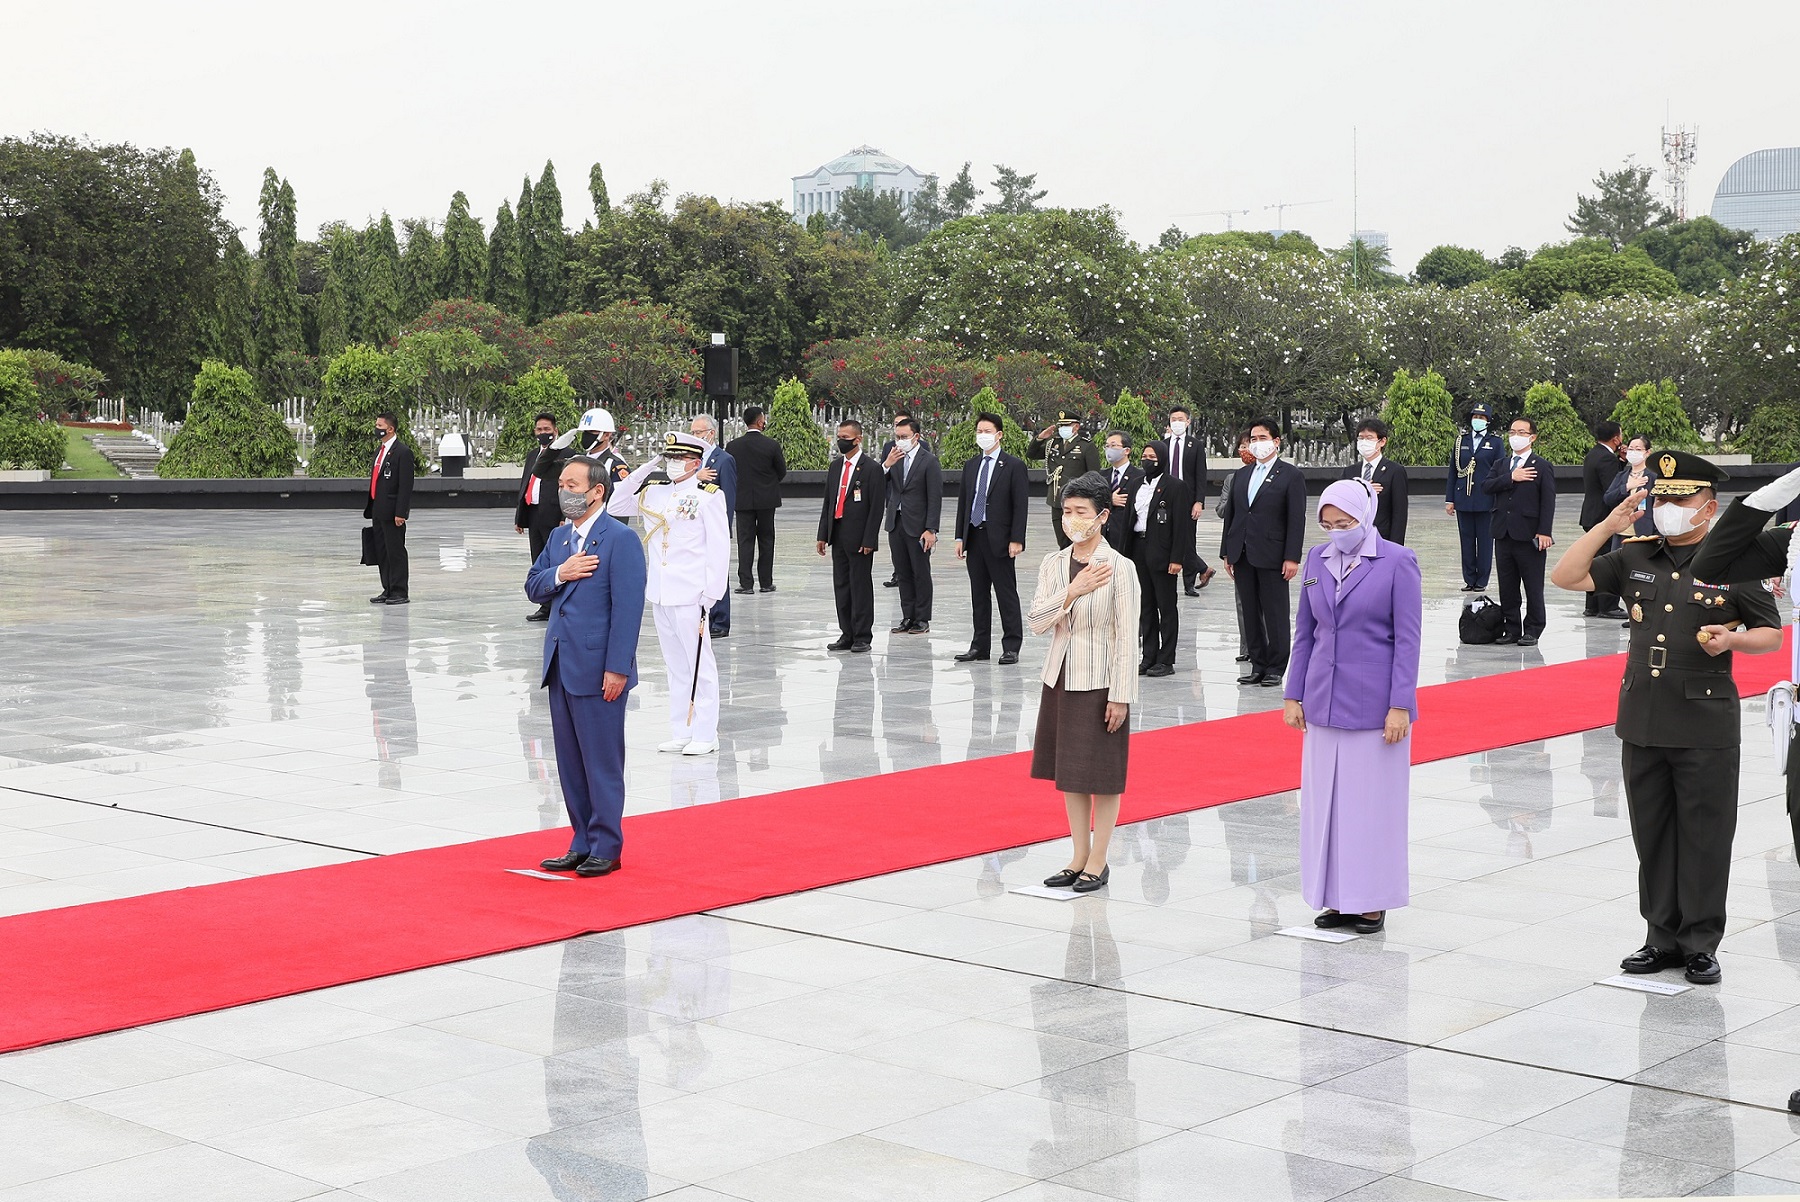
<point>1477,122</point>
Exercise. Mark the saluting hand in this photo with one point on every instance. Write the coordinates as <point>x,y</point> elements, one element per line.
<point>1625,513</point>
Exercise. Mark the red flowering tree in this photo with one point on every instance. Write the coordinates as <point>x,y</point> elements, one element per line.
<point>66,389</point>
<point>1034,390</point>
<point>497,329</point>
<point>875,378</point>
<point>634,358</point>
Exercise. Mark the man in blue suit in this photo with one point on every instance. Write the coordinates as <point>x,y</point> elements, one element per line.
<point>723,471</point>
<point>591,575</point>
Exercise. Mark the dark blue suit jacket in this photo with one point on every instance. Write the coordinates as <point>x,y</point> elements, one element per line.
<point>1522,509</point>
<point>594,623</point>
<point>720,460</point>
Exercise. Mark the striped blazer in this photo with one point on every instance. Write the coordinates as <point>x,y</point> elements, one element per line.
<point>1094,644</point>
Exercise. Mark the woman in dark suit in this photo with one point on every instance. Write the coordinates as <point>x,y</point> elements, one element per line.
<point>1162,528</point>
<point>1637,473</point>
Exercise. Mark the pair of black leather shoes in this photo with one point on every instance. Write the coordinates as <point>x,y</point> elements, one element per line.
<point>580,864</point>
<point>1702,967</point>
<point>1076,879</point>
<point>1356,922</point>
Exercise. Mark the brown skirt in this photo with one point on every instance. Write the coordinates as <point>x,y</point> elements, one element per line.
<point>1073,747</point>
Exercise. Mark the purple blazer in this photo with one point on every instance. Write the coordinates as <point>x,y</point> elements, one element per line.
<point>1356,651</point>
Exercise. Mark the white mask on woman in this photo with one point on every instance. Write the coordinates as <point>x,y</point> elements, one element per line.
<point>1636,458</point>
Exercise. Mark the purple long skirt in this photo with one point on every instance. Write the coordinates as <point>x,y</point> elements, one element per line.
<point>1354,794</point>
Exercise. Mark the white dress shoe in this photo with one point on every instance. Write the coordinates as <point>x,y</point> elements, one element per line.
<point>675,745</point>
<point>699,748</point>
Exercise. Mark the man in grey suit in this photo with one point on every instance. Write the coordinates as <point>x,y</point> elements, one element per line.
<point>915,505</point>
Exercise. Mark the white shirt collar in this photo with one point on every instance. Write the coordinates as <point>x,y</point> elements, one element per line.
<point>388,441</point>
<point>583,529</point>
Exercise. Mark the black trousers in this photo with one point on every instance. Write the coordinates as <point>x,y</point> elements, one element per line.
<point>991,568</point>
<point>391,547</point>
<point>853,584</point>
<point>1476,532</point>
<point>538,533</point>
<point>1158,613</point>
<point>1263,594</point>
<point>1793,788</point>
<point>912,568</point>
<point>1683,805</point>
<point>756,539</point>
<point>1520,565</point>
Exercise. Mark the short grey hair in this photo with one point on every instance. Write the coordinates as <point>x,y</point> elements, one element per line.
<point>712,427</point>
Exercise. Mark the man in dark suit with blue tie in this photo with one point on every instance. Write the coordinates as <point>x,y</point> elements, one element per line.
<point>990,535</point>
<point>915,508</point>
<point>591,574</point>
<point>1523,485</point>
<point>1265,527</point>
<point>717,467</point>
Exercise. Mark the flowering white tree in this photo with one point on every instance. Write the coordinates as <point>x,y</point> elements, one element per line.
<point>1472,337</point>
<point>1597,350</point>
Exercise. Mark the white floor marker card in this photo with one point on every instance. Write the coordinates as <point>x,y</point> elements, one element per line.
<point>1045,891</point>
<point>1665,988</point>
<point>1316,934</point>
<point>542,876</point>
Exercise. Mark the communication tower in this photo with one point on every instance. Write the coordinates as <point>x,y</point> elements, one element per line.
<point>1678,149</point>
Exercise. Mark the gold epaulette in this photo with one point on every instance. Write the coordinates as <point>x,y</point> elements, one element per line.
<point>1642,538</point>
<point>654,478</point>
<point>709,488</point>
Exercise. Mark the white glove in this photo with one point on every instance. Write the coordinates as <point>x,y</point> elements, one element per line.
<point>1775,496</point>
<point>562,441</point>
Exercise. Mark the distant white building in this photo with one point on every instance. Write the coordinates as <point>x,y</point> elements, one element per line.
<point>819,191</point>
<point>1373,239</point>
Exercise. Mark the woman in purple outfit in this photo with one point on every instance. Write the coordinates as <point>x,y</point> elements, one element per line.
<point>1352,689</point>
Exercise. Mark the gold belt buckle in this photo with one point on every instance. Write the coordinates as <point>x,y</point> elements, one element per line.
<point>1659,657</point>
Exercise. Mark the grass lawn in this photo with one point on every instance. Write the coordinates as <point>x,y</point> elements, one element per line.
<point>85,463</point>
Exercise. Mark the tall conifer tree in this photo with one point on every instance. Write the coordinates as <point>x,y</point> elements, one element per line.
<point>465,253</point>
<point>546,248</point>
<point>506,265</point>
<point>421,268</point>
<point>597,191</point>
<point>280,337</point>
<point>381,282</point>
<point>231,334</point>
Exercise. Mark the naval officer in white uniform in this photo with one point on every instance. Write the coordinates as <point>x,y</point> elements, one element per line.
<point>687,545</point>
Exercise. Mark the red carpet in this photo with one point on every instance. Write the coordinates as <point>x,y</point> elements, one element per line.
<point>86,969</point>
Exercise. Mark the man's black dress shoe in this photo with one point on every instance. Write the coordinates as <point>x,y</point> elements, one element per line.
<point>1794,1102</point>
<point>541,614</point>
<point>723,632</point>
<point>1087,882</point>
<point>593,866</point>
<point>1009,657</point>
<point>1160,670</point>
<point>890,583</point>
<point>921,628</point>
<point>1612,613</point>
<point>1191,591</point>
<point>568,863</point>
<point>1143,669</point>
<point>838,645</point>
<point>380,600</point>
<point>1270,680</point>
<point>1703,969</point>
<point>1063,879</point>
<point>1367,926</point>
<point>745,591</point>
<point>1468,588</point>
<point>905,627</point>
<point>1651,959</point>
<point>860,645</point>
<point>768,588</point>
<point>1331,918</point>
<point>1508,639</point>
<point>965,656</point>
<point>1243,659</point>
<point>398,599</point>
<point>1526,640</point>
<point>1251,678</point>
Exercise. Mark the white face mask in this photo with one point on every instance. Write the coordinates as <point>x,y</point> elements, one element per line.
<point>1673,521</point>
<point>1636,458</point>
<point>903,445</point>
<point>1520,443</point>
<point>1067,432</point>
<point>1366,447</point>
<point>1262,448</point>
<point>986,440</point>
<point>1177,429</point>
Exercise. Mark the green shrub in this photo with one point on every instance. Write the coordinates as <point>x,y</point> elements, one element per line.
<point>959,446</point>
<point>65,389</point>
<point>1654,410</point>
<point>26,444</point>
<point>1128,415</point>
<point>1561,436</point>
<point>1419,410</point>
<point>540,390</point>
<point>229,434</point>
<point>359,384</point>
<point>1772,434</point>
<point>791,424</point>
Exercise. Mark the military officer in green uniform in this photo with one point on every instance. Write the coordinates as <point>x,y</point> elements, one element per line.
<point>1066,453</point>
<point>1678,707</point>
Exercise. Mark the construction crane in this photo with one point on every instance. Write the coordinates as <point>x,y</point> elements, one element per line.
<point>1227,214</point>
<point>1281,207</point>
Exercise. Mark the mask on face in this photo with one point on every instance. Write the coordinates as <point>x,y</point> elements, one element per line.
<point>1262,448</point>
<point>380,434</point>
<point>846,446</point>
<point>1080,529</point>
<point>1246,456</point>
<point>545,440</point>
<point>1478,424</point>
<point>1115,454</point>
<point>1346,541</point>
<point>1519,443</point>
<point>1366,447</point>
<point>680,467</point>
<point>903,445</point>
<point>1673,521</point>
<point>1067,432</point>
<point>573,504</point>
<point>987,440</point>
<point>1152,469</point>
<point>1177,429</point>
<point>1636,458</point>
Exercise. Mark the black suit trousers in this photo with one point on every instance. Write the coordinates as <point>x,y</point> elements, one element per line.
<point>1519,563</point>
<point>853,584</point>
<point>756,542</point>
<point>991,568</point>
<point>391,546</point>
<point>1683,803</point>
<point>912,569</point>
<point>539,533</point>
<point>1263,597</point>
<point>1158,613</point>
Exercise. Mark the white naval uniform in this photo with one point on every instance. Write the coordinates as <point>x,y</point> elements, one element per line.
<point>687,546</point>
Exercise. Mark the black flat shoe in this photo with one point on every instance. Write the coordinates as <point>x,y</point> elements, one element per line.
<point>1703,969</point>
<point>1192,592</point>
<point>1160,670</point>
<point>921,628</point>
<point>1367,926</point>
<point>1063,879</point>
<point>890,584</point>
<point>1527,641</point>
<point>381,600</point>
<point>743,592</point>
<point>967,656</point>
<point>402,599</point>
<point>1251,678</point>
<point>596,867</point>
<point>768,588</point>
<point>565,863</point>
<point>1650,958</point>
<point>903,628</point>
<point>1270,681</point>
<point>541,615</point>
<point>1087,882</point>
<point>1008,657</point>
<point>859,646</point>
<point>838,645</point>
<point>1506,640</point>
<point>1331,918</point>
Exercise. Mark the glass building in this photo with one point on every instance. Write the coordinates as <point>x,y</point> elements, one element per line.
<point>1761,193</point>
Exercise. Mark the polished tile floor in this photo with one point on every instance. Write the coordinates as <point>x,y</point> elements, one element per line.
<point>194,697</point>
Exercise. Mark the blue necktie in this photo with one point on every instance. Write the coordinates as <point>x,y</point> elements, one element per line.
<point>980,512</point>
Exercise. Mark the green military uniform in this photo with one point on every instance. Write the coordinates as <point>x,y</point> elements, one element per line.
<point>1679,722</point>
<point>1064,459</point>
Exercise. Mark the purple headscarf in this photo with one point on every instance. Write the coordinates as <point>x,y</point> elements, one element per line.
<point>1355,499</point>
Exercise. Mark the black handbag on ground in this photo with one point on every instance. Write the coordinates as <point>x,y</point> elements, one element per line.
<point>1481,620</point>
<point>371,556</point>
